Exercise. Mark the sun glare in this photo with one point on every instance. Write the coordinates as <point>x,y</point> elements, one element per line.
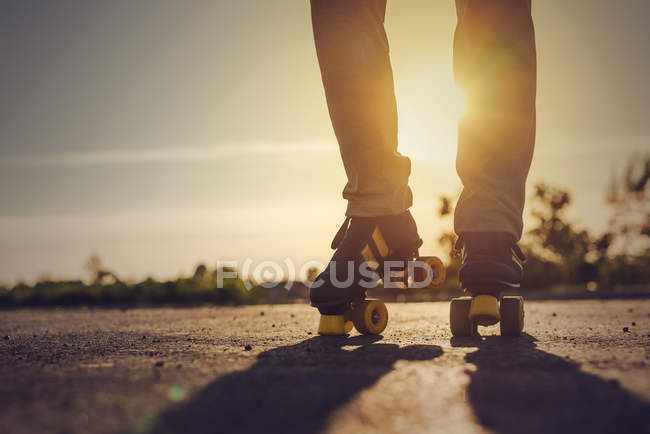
<point>428,128</point>
<point>458,102</point>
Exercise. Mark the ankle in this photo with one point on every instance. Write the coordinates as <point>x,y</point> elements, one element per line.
<point>486,242</point>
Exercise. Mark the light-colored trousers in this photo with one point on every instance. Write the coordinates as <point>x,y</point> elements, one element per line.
<point>494,62</point>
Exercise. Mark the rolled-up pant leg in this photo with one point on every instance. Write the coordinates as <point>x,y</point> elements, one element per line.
<point>495,63</point>
<point>352,50</point>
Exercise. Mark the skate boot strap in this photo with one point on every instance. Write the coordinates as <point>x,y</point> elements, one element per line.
<point>386,231</point>
<point>519,253</point>
<point>340,234</point>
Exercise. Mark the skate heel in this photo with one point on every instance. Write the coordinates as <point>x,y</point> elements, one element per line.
<point>334,325</point>
<point>467,313</point>
<point>484,310</point>
<point>368,316</point>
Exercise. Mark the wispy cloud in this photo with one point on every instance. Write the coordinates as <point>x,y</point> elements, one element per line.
<point>162,155</point>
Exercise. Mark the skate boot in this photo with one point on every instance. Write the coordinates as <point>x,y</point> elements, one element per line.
<point>363,247</point>
<point>491,263</point>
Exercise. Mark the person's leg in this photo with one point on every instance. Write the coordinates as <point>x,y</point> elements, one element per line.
<point>355,66</point>
<point>352,50</point>
<point>495,63</point>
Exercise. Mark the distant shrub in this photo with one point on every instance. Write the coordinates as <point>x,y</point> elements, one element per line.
<point>181,291</point>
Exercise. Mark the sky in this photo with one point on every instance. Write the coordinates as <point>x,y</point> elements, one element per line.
<point>160,135</point>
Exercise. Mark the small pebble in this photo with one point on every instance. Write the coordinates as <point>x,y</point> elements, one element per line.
<point>625,329</point>
<point>248,348</point>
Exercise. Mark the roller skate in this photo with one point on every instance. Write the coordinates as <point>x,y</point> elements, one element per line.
<point>370,249</point>
<point>491,263</point>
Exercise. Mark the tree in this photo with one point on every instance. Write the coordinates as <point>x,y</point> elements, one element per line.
<point>577,253</point>
<point>101,276</point>
<point>629,196</point>
<point>200,272</point>
<point>94,264</point>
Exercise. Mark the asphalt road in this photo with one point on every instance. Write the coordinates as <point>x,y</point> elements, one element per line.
<point>263,369</point>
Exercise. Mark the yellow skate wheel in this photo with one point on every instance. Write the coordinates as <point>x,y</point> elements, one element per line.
<point>512,315</point>
<point>484,310</point>
<point>370,317</point>
<point>437,268</point>
<point>334,325</point>
<point>459,321</point>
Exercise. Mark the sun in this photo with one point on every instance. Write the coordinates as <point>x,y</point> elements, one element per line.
<point>428,121</point>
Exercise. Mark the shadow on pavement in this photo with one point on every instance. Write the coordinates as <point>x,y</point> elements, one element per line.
<point>290,389</point>
<point>518,388</point>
